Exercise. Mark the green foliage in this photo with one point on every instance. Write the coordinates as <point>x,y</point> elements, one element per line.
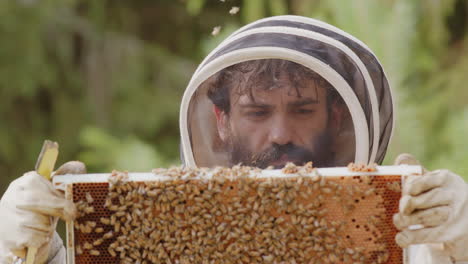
<point>104,78</point>
<point>94,84</point>
<point>104,151</point>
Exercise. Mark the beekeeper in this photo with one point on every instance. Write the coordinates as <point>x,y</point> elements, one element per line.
<point>281,89</point>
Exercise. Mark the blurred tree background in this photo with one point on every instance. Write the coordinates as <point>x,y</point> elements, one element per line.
<point>105,78</point>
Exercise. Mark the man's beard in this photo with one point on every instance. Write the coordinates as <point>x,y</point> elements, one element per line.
<point>321,155</point>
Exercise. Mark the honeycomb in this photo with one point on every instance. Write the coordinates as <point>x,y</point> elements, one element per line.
<point>237,217</point>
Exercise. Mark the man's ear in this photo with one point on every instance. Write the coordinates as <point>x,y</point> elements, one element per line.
<point>222,123</point>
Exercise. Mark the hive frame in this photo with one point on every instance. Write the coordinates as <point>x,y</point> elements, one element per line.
<point>64,183</point>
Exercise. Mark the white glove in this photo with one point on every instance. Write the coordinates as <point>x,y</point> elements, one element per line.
<point>438,201</point>
<point>29,211</point>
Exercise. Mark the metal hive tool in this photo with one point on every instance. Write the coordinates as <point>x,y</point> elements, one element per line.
<point>238,215</point>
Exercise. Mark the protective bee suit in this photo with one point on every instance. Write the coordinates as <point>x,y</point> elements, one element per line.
<point>349,87</point>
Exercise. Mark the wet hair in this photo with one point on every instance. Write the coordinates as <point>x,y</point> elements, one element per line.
<point>262,74</point>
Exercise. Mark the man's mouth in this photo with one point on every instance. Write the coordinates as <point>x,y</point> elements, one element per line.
<point>282,160</point>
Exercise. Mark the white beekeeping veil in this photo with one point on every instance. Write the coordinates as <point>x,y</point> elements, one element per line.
<point>340,60</point>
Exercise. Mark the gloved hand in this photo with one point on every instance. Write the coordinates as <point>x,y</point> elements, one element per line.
<point>437,200</point>
<point>29,211</point>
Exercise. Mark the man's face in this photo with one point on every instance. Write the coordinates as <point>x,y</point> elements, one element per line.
<point>271,127</point>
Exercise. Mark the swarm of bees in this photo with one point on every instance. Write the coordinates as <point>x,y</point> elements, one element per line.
<point>229,215</point>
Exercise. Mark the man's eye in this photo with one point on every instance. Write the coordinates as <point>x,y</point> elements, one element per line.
<point>304,111</point>
<point>257,113</point>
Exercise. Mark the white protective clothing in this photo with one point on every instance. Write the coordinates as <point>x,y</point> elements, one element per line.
<point>433,209</point>
<point>30,209</point>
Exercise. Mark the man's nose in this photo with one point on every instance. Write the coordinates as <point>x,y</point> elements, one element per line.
<point>281,131</point>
